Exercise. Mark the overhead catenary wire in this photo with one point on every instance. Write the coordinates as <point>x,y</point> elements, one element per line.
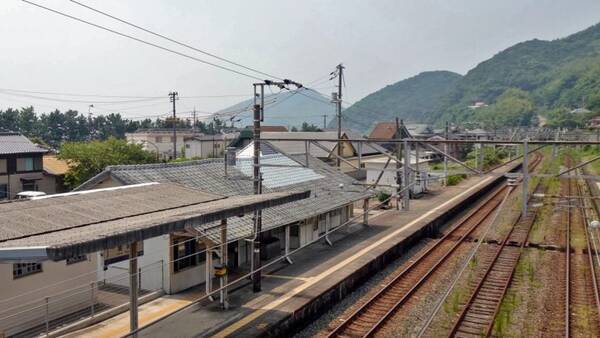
<point>75,101</point>
<point>175,41</point>
<point>142,41</point>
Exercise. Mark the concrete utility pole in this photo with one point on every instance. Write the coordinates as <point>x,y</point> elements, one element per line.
<point>133,288</point>
<point>340,75</point>
<point>525,170</point>
<point>446,157</point>
<point>194,121</point>
<point>257,176</point>
<point>174,97</point>
<point>258,117</point>
<point>398,174</point>
<point>406,180</point>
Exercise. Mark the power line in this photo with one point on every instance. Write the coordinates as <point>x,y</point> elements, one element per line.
<point>113,96</point>
<point>175,41</point>
<point>74,101</point>
<point>78,95</point>
<point>141,41</point>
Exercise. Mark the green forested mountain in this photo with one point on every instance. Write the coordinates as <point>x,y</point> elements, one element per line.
<point>409,99</point>
<point>558,73</point>
<point>528,79</point>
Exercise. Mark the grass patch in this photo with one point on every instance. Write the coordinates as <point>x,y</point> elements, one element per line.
<point>455,179</point>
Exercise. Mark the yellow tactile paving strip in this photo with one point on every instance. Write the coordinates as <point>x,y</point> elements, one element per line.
<point>313,280</point>
<point>119,325</point>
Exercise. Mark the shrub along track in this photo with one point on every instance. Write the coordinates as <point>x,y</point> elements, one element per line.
<point>373,314</point>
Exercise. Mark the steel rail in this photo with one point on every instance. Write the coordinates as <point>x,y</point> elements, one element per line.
<point>590,252</point>
<point>504,286</point>
<point>353,317</point>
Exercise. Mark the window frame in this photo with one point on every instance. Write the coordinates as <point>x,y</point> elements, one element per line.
<point>76,259</point>
<point>26,269</point>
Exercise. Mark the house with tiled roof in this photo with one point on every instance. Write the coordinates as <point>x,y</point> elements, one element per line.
<point>285,228</point>
<point>21,166</point>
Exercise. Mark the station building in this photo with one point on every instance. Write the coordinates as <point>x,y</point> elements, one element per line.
<point>287,227</point>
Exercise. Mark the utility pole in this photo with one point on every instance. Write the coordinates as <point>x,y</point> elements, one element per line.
<point>255,268</point>
<point>194,121</point>
<point>338,100</point>
<point>324,121</point>
<point>398,155</point>
<point>258,114</point>
<point>174,97</point>
<point>525,171</point>
<point>445,157</point>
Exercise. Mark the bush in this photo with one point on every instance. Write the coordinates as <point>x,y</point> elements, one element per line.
<point>455,179</point>
<point>383,196</point>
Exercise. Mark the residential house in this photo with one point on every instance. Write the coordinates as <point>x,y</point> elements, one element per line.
<point>289,226</point>
<point>580,110</point>
<point>478,104</point>
<point>386,176</point>
<point>245,135</point>
<point>206,146</point>
<point>160,141</point>
<point>594,122</point>
<point>324,147</point>
<point>389,131</point>
<point>54,171</point>
<point>21,166</point>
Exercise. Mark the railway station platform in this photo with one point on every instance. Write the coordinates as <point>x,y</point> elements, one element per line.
<point>293,295</point>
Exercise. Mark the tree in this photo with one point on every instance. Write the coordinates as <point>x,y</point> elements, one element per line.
<point>309,127</point>
<point>87,159</point>
<point>514,108</point>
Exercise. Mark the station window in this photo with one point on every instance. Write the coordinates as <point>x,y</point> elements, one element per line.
<point>76,259</point>
<point>184,256</point>
<point>25,269</point>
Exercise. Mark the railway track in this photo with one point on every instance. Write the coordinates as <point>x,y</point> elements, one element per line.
<point>372,315</point>
<point>477,317</point>
<point>582,308</point>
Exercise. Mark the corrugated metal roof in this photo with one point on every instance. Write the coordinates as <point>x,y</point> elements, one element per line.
<point>333,190</point>
<point>26,218</point>
<point>88,221</point>
<point>15,143</point>
<point>275,177</point>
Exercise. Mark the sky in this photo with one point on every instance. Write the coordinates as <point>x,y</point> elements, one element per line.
<point>379,42</point>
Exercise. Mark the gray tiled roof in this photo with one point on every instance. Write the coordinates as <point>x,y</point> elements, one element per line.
<point>64,225</point>
<point>15,143</point>
<point>329,188</point>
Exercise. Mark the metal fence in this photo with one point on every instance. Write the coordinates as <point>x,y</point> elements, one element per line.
<point>34,313</point>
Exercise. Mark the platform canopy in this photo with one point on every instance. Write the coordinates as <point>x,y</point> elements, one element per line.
<point>60,226</point>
